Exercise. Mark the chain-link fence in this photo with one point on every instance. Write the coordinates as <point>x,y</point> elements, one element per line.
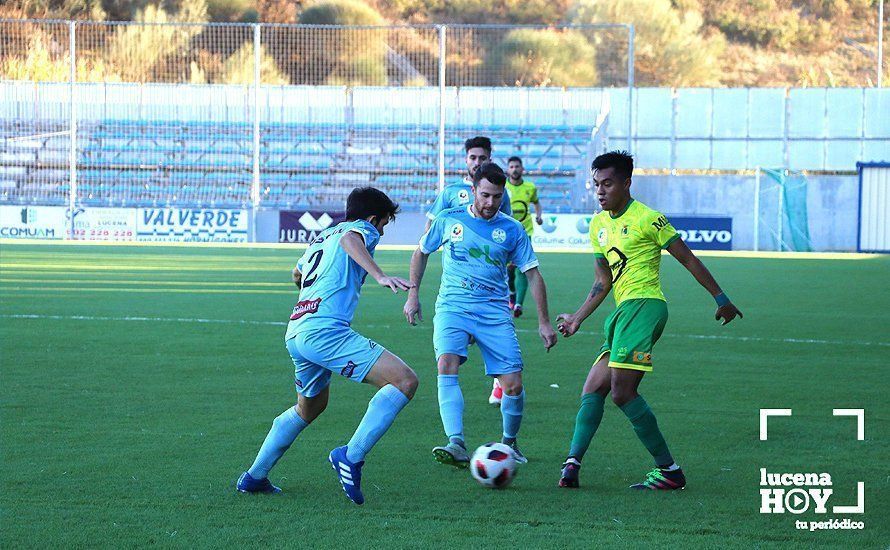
<point>181,114</point>
<point>361,108</point>
<point>35,119</point>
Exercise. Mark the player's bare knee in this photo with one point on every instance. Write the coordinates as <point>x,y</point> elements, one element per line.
<point>407,383</point>
<point>448,364</point>
<point>310,409</point>
<point>512,385</point>
<point>623,395</point>
<point>602,389</point>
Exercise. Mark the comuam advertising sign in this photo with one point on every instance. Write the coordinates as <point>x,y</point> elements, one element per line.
<point>563,231</point>
<point>192,225</point>
<point>571,231</point>
<point>33,222</point>
<point>302,226</point>
<point>105,224</point>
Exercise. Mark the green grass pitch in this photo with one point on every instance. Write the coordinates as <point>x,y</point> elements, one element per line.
<point>138,382</point>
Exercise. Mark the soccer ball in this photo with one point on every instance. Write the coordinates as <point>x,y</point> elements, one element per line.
<point>493,465</point>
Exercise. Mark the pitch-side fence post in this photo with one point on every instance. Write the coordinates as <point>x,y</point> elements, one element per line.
<point>442,29</point>
<point>630,86</point>
<point>72,141</point>
<point>757,209</point>
<point>255,186</point>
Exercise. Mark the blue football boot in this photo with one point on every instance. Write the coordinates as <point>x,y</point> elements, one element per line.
<point>247,484</point>
<point>349,474</point>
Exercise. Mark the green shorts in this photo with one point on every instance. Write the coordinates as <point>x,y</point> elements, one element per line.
<point>631,332</point>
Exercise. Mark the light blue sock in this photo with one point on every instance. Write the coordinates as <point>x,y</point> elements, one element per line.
<point>511,411</point>
<point>382,411</point>
<point>285,429</point>
<point>451,407</point>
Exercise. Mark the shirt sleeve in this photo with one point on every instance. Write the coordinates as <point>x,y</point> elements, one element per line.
<point>595,241</point>
<point>438,205</point>
<point>369,235</point>
<point>523,256</point>
<point>659,229</point>
<point>534,196</point>
<point>433,239</point>
<point>302,261</point>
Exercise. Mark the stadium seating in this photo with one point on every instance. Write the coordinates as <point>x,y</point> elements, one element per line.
<point>168,163</point>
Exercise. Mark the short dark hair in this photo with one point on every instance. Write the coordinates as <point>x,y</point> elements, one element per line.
<point>491,172</point>
<point>478,141</point>
<point>514,158</point>
<point>368,201</point>
<point>621,161</point>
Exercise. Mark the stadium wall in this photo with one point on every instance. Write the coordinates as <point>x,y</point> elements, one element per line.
<point>704,208</point>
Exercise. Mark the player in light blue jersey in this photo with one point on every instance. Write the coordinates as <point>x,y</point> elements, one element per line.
<point>478,152</point>
<point>320,340</point>
<point>479,242</point>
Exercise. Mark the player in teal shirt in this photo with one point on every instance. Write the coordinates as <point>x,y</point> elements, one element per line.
<point>478,152</point>
<point>479,241</point>
<point>321,341</point>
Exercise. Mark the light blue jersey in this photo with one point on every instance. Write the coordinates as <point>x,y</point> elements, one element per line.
<point>459,194</point>
<point>474,259</point>
<point>332,281</point>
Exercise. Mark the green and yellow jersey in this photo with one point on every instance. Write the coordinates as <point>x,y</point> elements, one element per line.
<point>522,197</point>
<point>632,243</point>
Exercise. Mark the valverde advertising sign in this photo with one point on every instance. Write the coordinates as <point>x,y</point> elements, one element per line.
<point>192,225</point>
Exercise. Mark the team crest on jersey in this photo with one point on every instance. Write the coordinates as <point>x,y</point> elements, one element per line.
<point>348,370</point>
<point>624,231</point>
<point>457,233</point>
<point>463,196</point>
<point>602,236</point>
<point>499,235</point>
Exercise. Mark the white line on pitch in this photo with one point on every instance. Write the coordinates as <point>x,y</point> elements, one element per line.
<point>388,326</point>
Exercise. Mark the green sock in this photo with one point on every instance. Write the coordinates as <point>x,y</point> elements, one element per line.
<point>588,420</point>
<point>521,287</point>
<point>646,427</point>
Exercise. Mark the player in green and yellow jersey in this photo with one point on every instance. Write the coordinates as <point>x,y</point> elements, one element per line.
<point>523,195</point>
<point>627,239</point>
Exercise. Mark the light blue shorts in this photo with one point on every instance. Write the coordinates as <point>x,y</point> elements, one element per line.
<point>495,336</point>
<point>319,351</point>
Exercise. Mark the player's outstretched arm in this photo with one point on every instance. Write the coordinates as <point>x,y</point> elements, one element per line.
<point>569,323</point>
<point>353,244</point>
<point>726,310</point>
<point>539,291</point>
<point>412,304</point>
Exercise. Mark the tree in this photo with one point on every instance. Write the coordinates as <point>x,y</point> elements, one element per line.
<point>544,57</point>
<point>39,65</point>
<point>670,48</point>
<point>351,56</point>
<point>278,11</point>
<point>143,53</point>
<point>480,11</point>
<point>239,68</point>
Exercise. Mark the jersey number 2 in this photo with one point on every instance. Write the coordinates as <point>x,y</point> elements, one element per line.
<point>311,275</point>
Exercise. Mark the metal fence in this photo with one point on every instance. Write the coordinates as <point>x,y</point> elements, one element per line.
<point>133,114</point>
